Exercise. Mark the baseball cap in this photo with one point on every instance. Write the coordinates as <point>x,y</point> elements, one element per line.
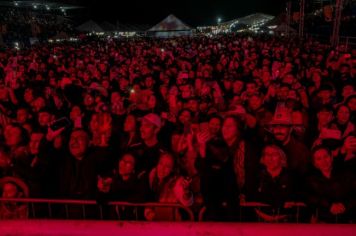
<point>153,119</point>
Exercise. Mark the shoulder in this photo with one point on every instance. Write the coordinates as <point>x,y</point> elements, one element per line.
<point>136,145</point>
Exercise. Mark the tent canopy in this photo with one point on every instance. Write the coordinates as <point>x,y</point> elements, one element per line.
<point>107,26</point>
<point>283,28</point>
<point>171,23</point>
<point>252,19</point>
<point>90,26</point>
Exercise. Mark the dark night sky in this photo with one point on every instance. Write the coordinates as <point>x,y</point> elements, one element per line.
<point>193,12</point>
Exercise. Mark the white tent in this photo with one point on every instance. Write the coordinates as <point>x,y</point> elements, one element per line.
<point>250,20</point>
<point>171,26</point>
<point>283,28</point>
<point>90,26</point>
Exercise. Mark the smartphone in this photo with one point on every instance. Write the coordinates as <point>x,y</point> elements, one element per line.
<point>60,123</point>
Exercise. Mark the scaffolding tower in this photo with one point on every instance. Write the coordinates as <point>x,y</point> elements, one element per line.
<point>301,18</point>
<point>288,15</point>
<point>337,20</point>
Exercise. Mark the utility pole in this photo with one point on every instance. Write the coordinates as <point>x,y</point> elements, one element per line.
<point>301,18</point>
<point>337,21</point>
<point>289,11</point>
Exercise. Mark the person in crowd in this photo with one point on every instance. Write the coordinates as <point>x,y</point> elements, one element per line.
<point>168,186</point>
<point>298,154</point>
<point>330,192</point>
<point>227,94</point>
<point>78,173</point>
<point>276,186</point>
<point>123,186</point>
<point>218,184</point>
<point>149,150</point>
<point>12,187</point>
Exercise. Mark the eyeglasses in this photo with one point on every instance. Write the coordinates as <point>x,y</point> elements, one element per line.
<point>128,163</point>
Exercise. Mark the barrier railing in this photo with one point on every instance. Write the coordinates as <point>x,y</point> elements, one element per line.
<point>91,209</point>
<point>258,206</point>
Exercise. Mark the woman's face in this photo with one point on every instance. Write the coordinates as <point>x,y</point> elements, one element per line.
<point>343,115</point>
<point>229,129</point>
<point>151,103</point>
<point>94,123</point>
<point>126,165</point>
<point>271,158</point>
<point>322,160</point>
<point>165,166</point>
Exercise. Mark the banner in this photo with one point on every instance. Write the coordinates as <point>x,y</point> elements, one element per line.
<point>328,13</point>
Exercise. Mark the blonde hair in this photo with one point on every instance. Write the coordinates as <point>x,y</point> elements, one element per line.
<point>281,153</point>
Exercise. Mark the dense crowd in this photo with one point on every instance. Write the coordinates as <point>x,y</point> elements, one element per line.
<point>19,25</point>
<point>206,121</point>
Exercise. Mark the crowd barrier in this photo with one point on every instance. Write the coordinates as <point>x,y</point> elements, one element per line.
<point>115,210</point>
<point>91,209</point>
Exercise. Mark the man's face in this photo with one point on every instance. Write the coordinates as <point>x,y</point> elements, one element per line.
<point>352,104</point>
<point>347,91</point>
<point>75,113</point>
<point>281,132</point>
<point>237,87</point>
<point>22,116</point>
<point>12,136</point>
<point>343,115</point>
<point>325,96</point>
<point>186,91</point>
<point>251,89</point>
<point>255,102</point>
<point>214,126</point>
<point>185,117</point>
<point>115,98</point>
<point>193,105</point>
<point>78,143</point>
<point>283,93</point>
<point>88,100</point>
<point>229,129</point>
<point>44,118</point>
<point>35,143</point>
<point>38,104</point>
<point>149,82</point>
<point>148,130</point>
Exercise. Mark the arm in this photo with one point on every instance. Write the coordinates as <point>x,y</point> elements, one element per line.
<point>183,193</point>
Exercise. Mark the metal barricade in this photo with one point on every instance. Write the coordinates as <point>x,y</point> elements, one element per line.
<point>258,206</point>
<point>91,209</point>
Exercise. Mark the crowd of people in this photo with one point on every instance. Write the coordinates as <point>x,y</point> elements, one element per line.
<point>199,121</point>
<point>19,25</point>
